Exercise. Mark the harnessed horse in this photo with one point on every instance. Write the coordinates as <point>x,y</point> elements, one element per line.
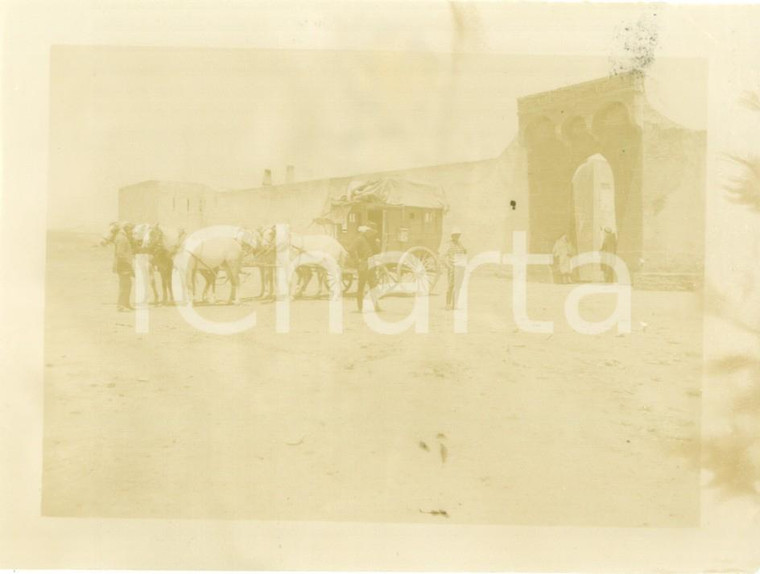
<point>223,251</point>
<point>323,249</point>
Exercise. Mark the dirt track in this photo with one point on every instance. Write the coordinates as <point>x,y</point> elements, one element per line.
<point>495,426</point>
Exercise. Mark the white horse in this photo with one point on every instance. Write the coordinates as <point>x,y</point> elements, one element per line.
<point>308,253</point>
<point>222,248</point>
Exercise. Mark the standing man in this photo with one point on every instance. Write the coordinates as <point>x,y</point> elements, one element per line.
<point>361,251</point>
<point>609,245</point>
<point>455,265</point>
<point>563,253</point>
<point>122,266</point>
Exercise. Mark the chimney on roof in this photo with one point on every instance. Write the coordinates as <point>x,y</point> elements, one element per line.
<point>290,174</point>
<point>267,177</point>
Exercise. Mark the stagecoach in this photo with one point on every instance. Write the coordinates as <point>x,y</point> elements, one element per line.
<point>408,217</point>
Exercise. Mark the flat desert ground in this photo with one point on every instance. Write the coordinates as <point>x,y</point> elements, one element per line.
<point>493,426</point>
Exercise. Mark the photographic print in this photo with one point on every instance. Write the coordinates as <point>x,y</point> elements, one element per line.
<point>421,286</point>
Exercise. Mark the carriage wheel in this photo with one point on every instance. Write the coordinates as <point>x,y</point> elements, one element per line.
<point>386,278</point>
<point>316,275</point>
<point>419,265</point>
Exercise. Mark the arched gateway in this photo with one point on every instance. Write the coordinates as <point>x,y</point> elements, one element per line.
<point>598,155</point>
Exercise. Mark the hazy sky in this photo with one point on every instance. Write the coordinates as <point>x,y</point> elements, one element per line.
<point>220,117</point>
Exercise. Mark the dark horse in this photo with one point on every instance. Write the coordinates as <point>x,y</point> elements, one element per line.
<point>163,246</point>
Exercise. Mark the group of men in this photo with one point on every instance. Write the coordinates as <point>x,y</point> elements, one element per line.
<point>564,251</point>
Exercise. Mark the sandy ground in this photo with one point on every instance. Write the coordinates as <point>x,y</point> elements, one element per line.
<point>493,426</point>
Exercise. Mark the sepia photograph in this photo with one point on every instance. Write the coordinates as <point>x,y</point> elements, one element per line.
<point>411,284</point>
<point>373,335</point>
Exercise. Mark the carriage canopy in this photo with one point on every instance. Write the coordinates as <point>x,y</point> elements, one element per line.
<point>406,213</point>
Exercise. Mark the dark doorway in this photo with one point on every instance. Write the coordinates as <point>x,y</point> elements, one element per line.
<point>375,216</point>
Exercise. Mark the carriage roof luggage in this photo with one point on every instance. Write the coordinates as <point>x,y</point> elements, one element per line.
<point>389,191</point>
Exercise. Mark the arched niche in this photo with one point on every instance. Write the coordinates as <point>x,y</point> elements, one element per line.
<point>574,128</point>
<point>539,132</point>
<point>611,120</point>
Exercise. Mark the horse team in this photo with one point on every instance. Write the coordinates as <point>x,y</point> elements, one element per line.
<point>224,249</point>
